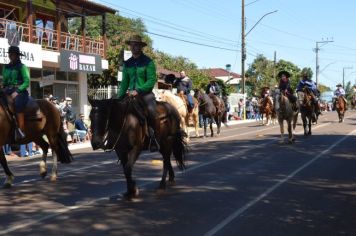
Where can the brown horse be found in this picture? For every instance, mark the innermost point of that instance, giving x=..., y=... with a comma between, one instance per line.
x=306, y=107
x=266, y=107
x=212, y=108
x=42, y=118
x=121, y=126
x=353, y=102
x=340, y=105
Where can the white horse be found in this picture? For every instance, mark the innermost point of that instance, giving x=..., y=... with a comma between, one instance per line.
x=180, y=105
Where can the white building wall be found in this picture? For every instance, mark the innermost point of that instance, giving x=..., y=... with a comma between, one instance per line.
x=83, y=94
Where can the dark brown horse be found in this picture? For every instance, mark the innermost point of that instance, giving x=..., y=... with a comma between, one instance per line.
x=42, y=119
x=121, y=126
x=340, y=105
x=212, y=108
x=306, y=107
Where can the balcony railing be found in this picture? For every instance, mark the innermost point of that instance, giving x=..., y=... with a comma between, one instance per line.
x=48, y=38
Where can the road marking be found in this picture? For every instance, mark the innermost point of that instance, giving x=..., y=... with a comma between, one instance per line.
x=64, y=210
x=250, y=204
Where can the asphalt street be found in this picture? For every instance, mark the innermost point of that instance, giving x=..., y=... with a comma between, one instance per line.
x=244, y=182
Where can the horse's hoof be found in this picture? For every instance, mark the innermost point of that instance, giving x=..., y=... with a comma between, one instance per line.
x=53, y=178
x=290, y=141
x=43, y=175
x=6, y=186
x=131, y=194
x=171, y=182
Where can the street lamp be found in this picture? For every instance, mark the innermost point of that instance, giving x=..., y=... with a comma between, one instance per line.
x=343, y=74
x=243, y=51
x=228, y=68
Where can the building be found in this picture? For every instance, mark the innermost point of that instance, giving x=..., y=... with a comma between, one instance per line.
x=230, y=78
x=59, y=60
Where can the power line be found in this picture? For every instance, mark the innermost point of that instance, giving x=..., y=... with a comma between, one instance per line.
x=191, y=42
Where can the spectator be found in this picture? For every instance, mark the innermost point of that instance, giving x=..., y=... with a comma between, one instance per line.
x=68, y=111
x=81, y=128
x=26, y=150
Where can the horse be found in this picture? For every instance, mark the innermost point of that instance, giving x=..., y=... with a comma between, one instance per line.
x=181, y=104
x=306, y=105
x=121, y=125
x=211, y=107
x=285, y=112
x=41, y=118
x=266, y=107
x=340, y=105
x=353, y=102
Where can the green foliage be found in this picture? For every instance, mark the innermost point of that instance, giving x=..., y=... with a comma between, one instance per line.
x=322, y=88
x=118, y=30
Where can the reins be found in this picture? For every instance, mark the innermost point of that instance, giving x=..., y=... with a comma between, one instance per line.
x=122, y=127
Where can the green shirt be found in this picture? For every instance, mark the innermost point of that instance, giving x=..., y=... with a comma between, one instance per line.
x=138, y=74
x=16, y=75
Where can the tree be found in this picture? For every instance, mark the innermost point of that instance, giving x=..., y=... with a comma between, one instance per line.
x=118, y=30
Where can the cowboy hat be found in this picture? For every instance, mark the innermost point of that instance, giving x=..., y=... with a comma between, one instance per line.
x=137, y=39
x=283, y=72
x=68, y=99
x=213, y=80
x=338, y=85
x=14, y=49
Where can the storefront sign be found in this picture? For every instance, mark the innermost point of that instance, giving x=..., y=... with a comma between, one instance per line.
x=78, y=62
x=32, y=53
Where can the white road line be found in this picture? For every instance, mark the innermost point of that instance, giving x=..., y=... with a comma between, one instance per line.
x=94, y=201
x=250, y=204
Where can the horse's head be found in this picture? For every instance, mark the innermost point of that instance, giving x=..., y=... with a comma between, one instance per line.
x=199, y=95
x=99, y=118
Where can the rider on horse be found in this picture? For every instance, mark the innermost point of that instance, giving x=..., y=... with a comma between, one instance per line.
x=306, y=81
x=339, y=92
x=16, y=80
x=139, y=78
x=213, y=88
x=284, y=86
x=184, y=86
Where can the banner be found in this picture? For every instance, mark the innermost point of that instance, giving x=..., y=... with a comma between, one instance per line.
x=72, y=61
x=32, y=53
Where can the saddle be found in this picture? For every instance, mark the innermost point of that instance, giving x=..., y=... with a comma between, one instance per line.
x=218, y=103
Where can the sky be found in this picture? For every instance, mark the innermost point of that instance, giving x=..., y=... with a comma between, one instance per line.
x=292, y=32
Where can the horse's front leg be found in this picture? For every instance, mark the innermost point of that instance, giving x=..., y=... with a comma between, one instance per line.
x=9, y=176
x=211, y=120
x=290, y=132
x=196, y=124
x=218, y=124
x=281, y=126
x=205, y=124
x=127, y=161
x=309, y=126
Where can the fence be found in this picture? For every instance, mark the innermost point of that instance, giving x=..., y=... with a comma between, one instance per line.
x=103, y=92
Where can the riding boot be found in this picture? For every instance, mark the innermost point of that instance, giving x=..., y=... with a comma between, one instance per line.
x=154, y=145
x=19, y=132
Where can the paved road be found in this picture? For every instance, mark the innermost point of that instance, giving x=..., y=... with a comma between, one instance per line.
x=242, y=183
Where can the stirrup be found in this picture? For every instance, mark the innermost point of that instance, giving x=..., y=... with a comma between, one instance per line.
x=19, y=134
x=154, y=145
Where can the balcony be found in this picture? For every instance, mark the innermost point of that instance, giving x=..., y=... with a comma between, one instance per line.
x=49, y=38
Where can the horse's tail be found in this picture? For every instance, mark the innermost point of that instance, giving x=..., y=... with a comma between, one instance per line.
x=63, y=154
x=180, y=148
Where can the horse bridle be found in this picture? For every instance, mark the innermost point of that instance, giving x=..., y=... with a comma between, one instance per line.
x=129, y=98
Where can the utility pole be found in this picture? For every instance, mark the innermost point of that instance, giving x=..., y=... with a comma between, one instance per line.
x=274, y=65
x=343, y=74
x=243, y=56
x=317, y=48
x=243, y=50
